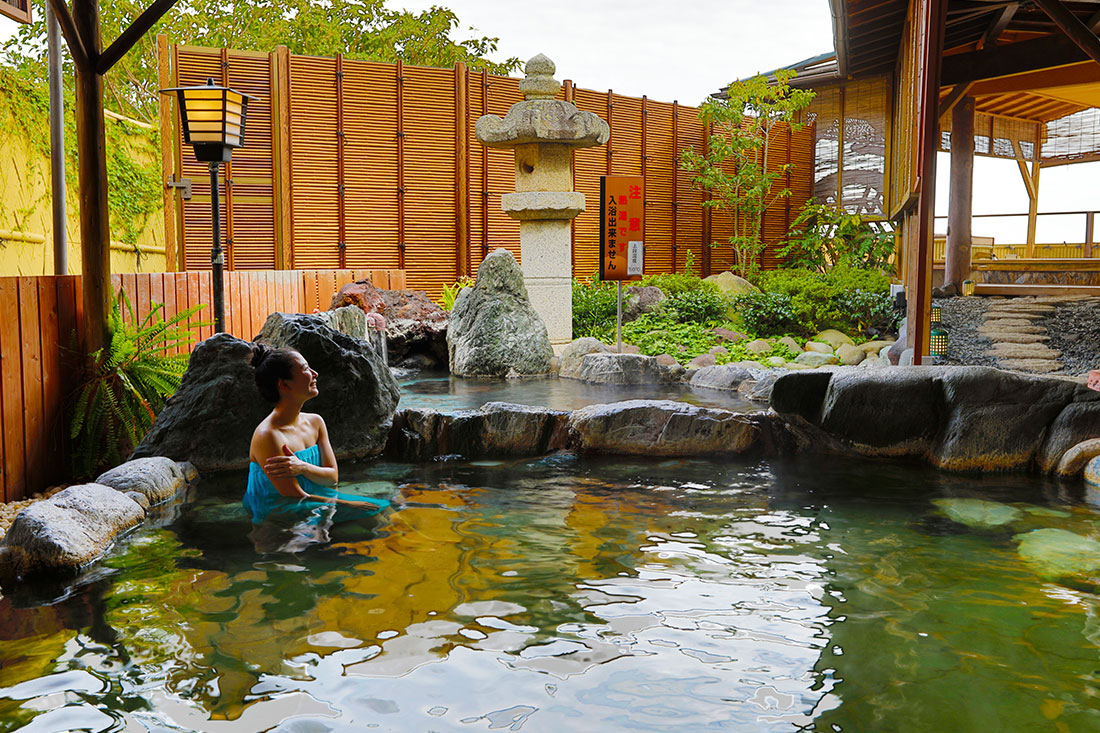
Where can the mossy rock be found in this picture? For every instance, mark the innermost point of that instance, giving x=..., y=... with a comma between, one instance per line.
x=978, y=513
x=1062, y=555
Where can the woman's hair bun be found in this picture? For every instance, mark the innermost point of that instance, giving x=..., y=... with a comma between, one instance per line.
x=259, y=353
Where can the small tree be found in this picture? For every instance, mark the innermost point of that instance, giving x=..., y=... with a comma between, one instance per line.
x=735, y=170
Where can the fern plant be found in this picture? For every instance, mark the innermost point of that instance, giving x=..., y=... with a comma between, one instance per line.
x=126, y=383
x=450, y=293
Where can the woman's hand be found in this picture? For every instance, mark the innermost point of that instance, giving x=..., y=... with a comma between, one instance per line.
x=287, y=465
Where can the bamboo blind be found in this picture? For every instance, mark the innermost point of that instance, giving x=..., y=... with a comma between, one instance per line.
x=382, y=169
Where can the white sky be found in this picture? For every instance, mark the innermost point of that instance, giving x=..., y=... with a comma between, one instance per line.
x=685, y=50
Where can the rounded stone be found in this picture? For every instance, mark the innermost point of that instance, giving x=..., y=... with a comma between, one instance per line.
x=540, y=64
x=1092, y=473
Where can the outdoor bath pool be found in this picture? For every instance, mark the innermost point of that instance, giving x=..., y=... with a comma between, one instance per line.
x=566, y=593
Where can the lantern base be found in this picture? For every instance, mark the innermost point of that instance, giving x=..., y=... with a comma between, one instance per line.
x=213, y=152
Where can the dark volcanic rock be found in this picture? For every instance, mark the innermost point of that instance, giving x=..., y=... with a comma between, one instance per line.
x=497, y=429
x=210, y=419
x=659, y=428
x=416, y=328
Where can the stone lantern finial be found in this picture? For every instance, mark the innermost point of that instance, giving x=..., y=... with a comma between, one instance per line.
x=539, y=82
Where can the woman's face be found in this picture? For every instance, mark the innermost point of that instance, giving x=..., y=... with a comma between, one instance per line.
x=303, y=380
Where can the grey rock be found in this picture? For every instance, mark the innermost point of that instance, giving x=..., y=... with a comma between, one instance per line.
x=728, y=335
x=666, y=360
x=639, y=300
x=348, y=320
x=815, y=359
x=1078, y=421
x=760, y=390
x=569, y=363
x=819, y=347
x=620, y=369
x=718, y=350
x=494, y=330
x=727, y=376
x=210, y=419
x=758, y=346
x=703, y=360
x=895, y=351
x=850, y=355
x=497, y=429
x=68, y=530
x=659, y=428
x=791, y=344
x=156, y=478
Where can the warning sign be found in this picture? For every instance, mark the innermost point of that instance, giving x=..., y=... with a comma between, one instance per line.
x=622, y=234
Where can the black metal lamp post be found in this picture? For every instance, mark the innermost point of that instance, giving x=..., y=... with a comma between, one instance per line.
x=213, y=120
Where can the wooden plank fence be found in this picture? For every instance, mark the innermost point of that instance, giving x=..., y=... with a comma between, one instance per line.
x=40, y=349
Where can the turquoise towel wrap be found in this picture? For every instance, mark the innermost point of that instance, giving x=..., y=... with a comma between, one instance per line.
x=262, y=499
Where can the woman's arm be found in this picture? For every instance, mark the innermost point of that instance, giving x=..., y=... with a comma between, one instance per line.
x=286, y=465
x=270, y=450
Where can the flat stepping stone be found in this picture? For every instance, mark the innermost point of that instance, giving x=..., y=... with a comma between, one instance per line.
x=1035, y=366
x=1009, y=337
x=1036, y=308
x=994, y=327
x=1026, y=317
x=1023, y=351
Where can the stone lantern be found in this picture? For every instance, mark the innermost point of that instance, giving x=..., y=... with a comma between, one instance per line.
x=543, y=131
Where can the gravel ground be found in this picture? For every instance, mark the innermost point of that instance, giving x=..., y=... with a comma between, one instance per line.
x=1075, y=331
x=962, y=317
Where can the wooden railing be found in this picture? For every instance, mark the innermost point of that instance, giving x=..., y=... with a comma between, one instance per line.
x=40, y=352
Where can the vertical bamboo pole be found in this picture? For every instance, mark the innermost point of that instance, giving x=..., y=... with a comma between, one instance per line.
x=342, y=230
x=462, y=173
x=167, y=142
x=400, y=165
x=280, y=155
x=230, y=260
x=840, y=153
x=675, y=176
x=484, y=172
x=645, y=118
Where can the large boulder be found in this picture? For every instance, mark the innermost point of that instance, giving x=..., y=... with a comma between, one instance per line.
x=957, y=418
x=659, y=428
x=210, y=419
x=348, y=320
x=569, y=363
x=727, y=376
x=641, y=299
x=497, y=429
x=361, y=294
x=67, y=531
x=494, y=330
x=731, y=285
x=157, y=478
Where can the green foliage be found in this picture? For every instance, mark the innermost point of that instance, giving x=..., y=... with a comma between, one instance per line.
x=450, y=293
x=735, y=172
x=659, y=334
x=133, y=186
x=126, y=384
x=673, y=284
x=595, y=305
x=823, y=236
x=705, y=305
x=804, y=302
x=359, y=29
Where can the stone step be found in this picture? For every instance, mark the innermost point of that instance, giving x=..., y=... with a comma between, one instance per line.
x=1013, y=337
x=1038, y=308
x=1023, y=351
x=1035, y=366
x=994, y=327
x=1028, y=317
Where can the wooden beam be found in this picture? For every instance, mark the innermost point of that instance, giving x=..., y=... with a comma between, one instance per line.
x=957, y=93
x=1072, y=26
x=132, y=35
x=1011, y=58
x=1029, y=184
x=71, y=35
x=997, y=27
x=167, y=171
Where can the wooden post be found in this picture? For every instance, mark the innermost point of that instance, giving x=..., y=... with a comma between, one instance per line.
x=1089, y=223
x=167, y=143
x=1033, y=192
x=462, y=173
x=341, y=197
x=91, y=132
x=400, y=165
x=230, y=260
x=675, y=175
x=960, y=207
x=919, y=284
x=280, y=155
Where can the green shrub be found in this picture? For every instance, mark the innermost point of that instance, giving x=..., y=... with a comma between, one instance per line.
x=673, y=284
x=594, y=308
x=126, y=384
x=768, y=314
x=824, y=235
x=872, y=313
x=704, y=305
x=659, y=334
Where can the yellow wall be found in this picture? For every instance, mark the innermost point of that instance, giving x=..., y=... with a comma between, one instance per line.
x=26, y=221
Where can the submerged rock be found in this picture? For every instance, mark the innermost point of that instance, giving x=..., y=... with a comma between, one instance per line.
x=494, y=330
x=978, y=513
x=727, y=376
x=621, y=369
x=70, y=529
x=1061, y=555
x=210, y=419
x=659, y=428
